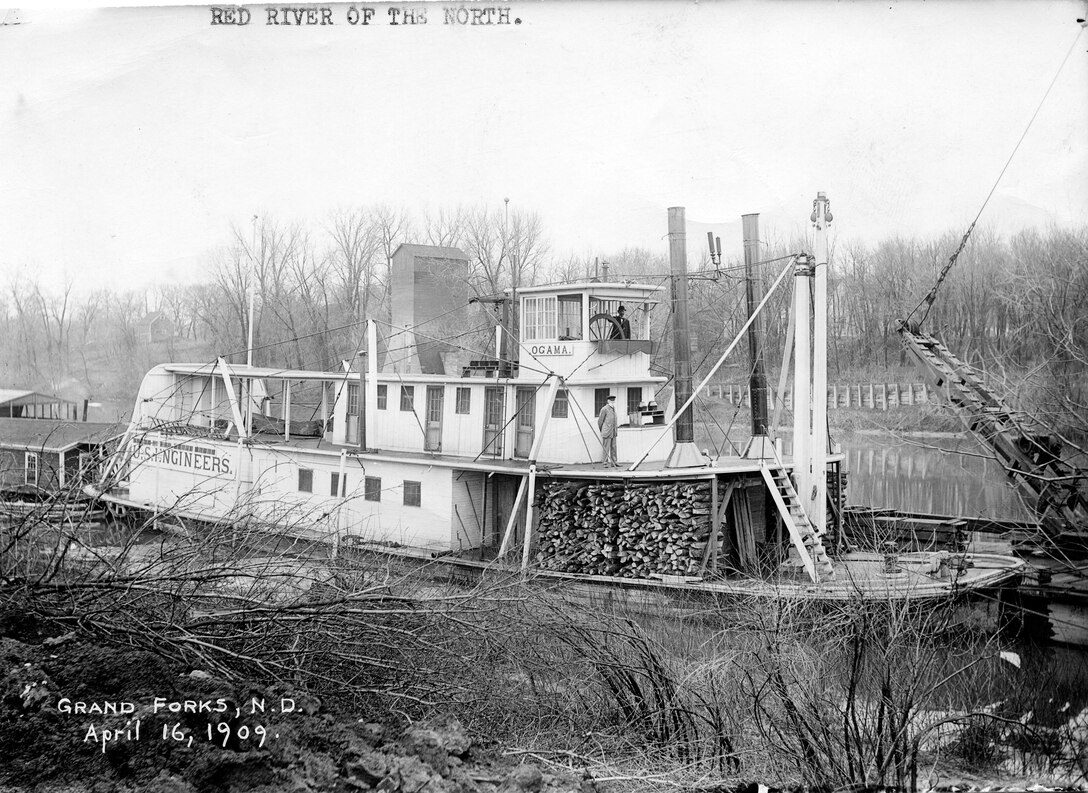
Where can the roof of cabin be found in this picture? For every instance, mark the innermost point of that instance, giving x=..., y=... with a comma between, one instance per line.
x=11, y=395
x=241, y=370
x=52, y=435
x=599, y=288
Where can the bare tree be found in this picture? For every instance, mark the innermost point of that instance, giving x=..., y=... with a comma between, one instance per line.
x=446, y=228
x=504, y=251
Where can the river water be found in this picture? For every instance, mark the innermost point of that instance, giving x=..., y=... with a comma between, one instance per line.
x=942, y=475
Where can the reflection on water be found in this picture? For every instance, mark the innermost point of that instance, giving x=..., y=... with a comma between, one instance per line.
x=944, y=476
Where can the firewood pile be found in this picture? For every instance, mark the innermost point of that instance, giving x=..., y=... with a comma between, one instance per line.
x=632, y=530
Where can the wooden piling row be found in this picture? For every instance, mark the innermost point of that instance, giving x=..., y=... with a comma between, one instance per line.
x=874, y=396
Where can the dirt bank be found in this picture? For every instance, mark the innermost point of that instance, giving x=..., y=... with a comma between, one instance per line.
x=81, y=715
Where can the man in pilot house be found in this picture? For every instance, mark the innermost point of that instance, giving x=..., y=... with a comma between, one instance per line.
x=621, y=329
x=606, y=423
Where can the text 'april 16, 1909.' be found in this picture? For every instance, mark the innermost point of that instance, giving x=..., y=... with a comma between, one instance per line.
x=222, y=721
x=304, y=16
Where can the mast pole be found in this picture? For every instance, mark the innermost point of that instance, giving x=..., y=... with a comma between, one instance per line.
x=802, y=382
x=252, y=312
x=821, y=217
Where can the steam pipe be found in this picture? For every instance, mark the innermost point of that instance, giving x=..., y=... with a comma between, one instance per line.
x=681, y=344
x=757, y=383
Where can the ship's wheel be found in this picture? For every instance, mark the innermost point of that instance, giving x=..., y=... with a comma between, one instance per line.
x=604, y=326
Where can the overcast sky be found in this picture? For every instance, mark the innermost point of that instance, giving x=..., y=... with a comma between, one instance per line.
x=131, y=139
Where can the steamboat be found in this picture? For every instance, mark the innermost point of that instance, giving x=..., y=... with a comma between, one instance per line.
x=498, y=460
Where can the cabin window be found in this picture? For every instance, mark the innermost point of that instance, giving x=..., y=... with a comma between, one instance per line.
x=372, y=488
x=464, y=400
x=334, y=483
x=600, y=399
x=305, y=480
x=634, y=399
x=31, y=468
x=353, y=399
x=408, y=398
x=561, y=405
x=383, y=396
x=538, y=321
x=413, y=494
x=570, y=317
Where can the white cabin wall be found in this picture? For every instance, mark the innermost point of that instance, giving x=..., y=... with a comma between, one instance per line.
x=275, y=496
x=165, y=479
x=463, y=434
x=205, y=402
x=574, y=439
x=425, y=526
x=181, y=473
x=612, y=366
x=340, y=411
x=401, y=430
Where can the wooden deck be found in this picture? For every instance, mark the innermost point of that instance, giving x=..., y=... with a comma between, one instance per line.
x=648, y=470
x=858, y=576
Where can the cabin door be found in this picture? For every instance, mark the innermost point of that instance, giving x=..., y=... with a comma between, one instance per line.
x=493, y=421
x=526, y=403
x=433, y=442
x=352, y=415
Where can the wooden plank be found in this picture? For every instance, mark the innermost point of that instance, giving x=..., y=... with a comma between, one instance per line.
x=745, y=541
x=710, y=551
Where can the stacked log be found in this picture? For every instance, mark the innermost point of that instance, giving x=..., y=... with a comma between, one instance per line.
x=628, y=530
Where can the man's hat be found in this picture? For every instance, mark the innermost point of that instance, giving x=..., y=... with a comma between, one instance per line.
x=611, y=397
x=621, y=309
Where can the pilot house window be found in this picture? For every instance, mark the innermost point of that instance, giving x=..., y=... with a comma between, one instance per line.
x=570, y=317
x=539, y=319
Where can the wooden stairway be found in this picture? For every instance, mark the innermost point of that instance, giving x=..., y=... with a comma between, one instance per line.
x=809, y=544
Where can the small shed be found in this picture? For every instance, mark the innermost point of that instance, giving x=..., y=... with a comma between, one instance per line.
x=46, y=455
x=34, y=405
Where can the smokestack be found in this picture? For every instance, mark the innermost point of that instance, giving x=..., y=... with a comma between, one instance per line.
x=684, y=452
x=757, y=382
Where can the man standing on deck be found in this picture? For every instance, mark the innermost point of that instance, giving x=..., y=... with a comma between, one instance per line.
x=606, y=423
